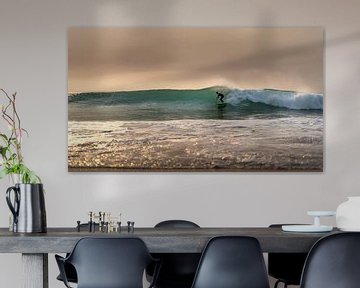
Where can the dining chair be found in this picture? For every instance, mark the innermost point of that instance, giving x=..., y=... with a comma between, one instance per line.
x=70, y=271
x=285, y=267
x=178, y=269
x=108, y=263
x=333, y=262
x=232, y=262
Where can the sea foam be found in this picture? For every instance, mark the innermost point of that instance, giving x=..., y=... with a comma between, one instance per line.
x=277, y=98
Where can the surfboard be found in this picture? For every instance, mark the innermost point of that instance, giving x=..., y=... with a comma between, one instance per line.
x=221, y=104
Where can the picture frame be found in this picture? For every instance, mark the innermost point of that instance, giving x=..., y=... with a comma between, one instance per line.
x=195, y=99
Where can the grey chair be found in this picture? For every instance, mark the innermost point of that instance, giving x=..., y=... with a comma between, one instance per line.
x=333, y=262
x=108, y=263
x=178, y=269
x=232, y=262
x=286, y=267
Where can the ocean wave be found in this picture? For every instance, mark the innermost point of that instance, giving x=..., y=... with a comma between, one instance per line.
x=203, y=97
x=170, y=104
x=276, y=98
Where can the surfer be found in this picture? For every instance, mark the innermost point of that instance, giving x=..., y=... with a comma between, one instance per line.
x=220, y=96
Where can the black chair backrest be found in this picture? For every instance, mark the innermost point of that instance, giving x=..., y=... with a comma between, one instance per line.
x=232, y=262
x=110, y=262
x=178, y=269
x=69, y=269
x=176, y=224
x=333, y=262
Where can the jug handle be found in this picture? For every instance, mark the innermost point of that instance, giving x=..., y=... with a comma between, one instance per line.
x=13, y=208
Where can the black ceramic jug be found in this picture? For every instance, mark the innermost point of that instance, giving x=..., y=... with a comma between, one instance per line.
x=28, y=207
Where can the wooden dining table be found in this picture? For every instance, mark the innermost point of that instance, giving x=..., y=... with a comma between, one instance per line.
x=35, y=247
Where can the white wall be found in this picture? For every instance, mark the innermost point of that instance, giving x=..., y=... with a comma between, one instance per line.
x=33, y=62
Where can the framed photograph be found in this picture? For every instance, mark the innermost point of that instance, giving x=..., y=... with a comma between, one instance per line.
x=195, y=99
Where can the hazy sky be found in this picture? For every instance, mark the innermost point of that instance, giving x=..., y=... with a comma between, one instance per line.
x=118, y=59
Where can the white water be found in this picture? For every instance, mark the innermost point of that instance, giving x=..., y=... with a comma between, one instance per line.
x=285, y=99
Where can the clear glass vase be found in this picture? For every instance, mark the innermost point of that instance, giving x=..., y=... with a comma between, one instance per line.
x=15, y=179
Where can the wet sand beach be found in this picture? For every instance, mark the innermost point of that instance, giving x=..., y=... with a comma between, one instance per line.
x=279, y=144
